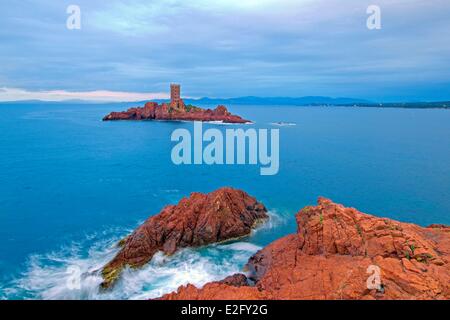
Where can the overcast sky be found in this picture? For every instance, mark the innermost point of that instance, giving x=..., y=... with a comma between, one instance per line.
x=131, y=50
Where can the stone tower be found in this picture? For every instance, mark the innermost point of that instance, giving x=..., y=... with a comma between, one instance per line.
x=176, y=103
x=175, y=94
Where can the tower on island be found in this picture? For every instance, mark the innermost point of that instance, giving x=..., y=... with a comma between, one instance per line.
x=175, y=93
x=176, y=103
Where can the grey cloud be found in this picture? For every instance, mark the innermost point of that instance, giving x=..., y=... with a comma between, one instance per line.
x=290, y=48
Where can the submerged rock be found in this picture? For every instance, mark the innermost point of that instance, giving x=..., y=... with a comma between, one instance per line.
x=341, y=253
x=199, y=220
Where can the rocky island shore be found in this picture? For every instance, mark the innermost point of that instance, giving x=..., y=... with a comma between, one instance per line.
x=199, y=220
x=154, y=111
x=336, y=254
x=176, y=110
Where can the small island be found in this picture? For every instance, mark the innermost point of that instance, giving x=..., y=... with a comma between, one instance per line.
x=176, y=110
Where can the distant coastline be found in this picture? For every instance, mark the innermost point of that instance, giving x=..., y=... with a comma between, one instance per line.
x=266, y=101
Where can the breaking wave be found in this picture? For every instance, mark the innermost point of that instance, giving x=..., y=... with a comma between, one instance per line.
x=73, y=273
x=276, y=220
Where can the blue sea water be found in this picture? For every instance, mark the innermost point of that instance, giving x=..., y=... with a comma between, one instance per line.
x=72, y=185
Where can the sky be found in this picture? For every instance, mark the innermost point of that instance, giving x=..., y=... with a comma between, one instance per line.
x=132, y=50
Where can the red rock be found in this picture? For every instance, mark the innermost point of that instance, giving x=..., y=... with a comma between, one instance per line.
x=153, y=111
x=330, y=255
x=222, y=110
x=236, y=280
x=196, y=221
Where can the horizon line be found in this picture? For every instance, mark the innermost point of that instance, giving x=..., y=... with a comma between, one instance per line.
x=16, y=95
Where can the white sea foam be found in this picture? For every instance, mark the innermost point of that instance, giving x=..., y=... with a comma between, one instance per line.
x=283, y=124
x=51, y=276
x=275, y=220
x=241, y=246
x=73, y=272
x=3, y=293
x=171, y=191
x=221, y=123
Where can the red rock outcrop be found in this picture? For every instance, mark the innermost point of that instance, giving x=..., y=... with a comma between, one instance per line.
x=153, y=111
x=337, y=253
x=199, y=220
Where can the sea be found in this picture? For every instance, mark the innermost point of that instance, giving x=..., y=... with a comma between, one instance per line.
x=72, y=185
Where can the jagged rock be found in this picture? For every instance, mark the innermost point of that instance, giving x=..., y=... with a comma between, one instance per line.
x=335, y=254
x=199, y=220
x=236, y=280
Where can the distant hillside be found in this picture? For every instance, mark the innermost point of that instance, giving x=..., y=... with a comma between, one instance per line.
x=273, y=101
x=314, y=102
x=412, y=105
x=299, y=101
